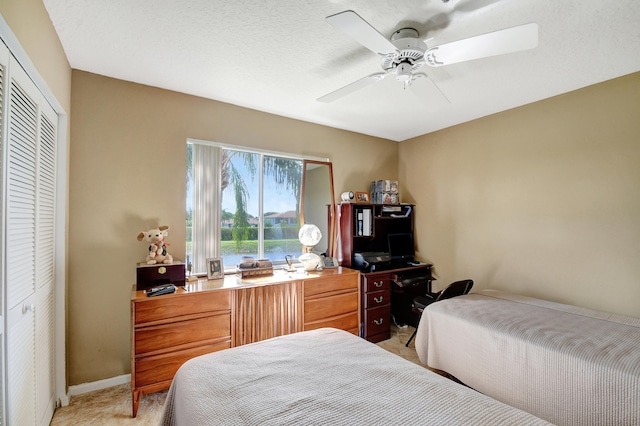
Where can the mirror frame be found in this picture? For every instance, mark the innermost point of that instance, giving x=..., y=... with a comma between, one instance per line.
x=331, y=208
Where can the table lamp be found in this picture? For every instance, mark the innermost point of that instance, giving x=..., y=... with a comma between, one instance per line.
x=309, y=235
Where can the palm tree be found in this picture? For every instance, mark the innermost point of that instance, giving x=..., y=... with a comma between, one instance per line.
x=287, y=174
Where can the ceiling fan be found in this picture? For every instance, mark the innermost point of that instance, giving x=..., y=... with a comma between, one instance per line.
x=404, y=53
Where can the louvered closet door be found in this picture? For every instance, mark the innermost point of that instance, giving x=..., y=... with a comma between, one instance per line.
x=30, y=199
x=45, y=264
x=4, y=61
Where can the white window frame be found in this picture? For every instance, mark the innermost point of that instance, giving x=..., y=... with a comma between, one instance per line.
x=213, y=250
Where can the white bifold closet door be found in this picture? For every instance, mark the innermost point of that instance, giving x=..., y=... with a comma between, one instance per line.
x=29, y=158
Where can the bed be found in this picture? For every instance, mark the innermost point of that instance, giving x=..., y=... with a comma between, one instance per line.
x=323, y=377
x=565, y=364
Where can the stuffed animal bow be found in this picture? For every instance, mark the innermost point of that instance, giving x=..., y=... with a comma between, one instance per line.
x=157, y=245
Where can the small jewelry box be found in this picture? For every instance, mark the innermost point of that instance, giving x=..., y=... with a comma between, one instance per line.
x=148, y=276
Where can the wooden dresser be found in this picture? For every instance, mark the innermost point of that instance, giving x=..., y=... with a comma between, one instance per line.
x=211, y=315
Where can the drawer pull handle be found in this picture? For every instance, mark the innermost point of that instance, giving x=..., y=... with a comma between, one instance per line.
x=378, y=321
x=378, y=283
x=28, y=307
x=378, y=300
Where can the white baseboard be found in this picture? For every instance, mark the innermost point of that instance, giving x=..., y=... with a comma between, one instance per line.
x=100, y=384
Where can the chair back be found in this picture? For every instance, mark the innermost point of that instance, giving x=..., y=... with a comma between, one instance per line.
x=457, y=288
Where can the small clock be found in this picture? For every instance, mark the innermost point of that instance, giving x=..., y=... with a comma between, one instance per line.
x=347, y=196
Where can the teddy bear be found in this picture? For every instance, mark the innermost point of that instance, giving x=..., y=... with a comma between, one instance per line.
x=157, y=245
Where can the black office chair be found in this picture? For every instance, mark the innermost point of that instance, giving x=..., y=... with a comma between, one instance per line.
x=457, y=288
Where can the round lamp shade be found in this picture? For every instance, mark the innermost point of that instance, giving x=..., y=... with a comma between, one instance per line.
x=309, y=235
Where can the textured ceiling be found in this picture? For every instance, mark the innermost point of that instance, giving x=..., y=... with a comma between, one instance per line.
x=279, y=56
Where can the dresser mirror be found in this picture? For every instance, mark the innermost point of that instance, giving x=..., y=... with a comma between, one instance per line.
x=317, y=195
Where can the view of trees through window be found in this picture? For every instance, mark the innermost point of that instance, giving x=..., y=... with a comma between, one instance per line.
x=259, y=208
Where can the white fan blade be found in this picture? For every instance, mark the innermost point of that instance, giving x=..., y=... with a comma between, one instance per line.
x=350, y=88
x=361, y=31
x=522, y=37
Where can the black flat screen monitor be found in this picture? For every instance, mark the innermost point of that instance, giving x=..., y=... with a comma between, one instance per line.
x=401, y=247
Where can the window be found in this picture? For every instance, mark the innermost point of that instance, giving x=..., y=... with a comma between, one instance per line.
x=241, y=202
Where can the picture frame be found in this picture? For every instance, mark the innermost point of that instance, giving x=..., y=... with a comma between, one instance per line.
x=215, y=268
x=362, y=197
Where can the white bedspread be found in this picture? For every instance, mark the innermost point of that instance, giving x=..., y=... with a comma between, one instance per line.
x=324, y=377
x=565, y=364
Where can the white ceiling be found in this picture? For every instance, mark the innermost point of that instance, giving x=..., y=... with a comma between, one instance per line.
x=279, y=56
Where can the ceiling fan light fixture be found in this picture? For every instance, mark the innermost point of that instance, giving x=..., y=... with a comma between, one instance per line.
x=404, y=52
x=403, y=72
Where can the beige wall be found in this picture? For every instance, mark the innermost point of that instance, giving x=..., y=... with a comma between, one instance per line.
x=543, y=200
x=128, y=169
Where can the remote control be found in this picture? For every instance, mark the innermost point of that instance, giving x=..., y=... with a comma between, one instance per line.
x=164, y=289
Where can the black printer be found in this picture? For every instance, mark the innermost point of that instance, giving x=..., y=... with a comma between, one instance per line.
x=371, y=261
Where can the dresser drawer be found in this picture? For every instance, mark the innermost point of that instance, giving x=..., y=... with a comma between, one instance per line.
x=334, y=283
x=377, y=298
x=155, y=369
x=182, y=333
x=331, y=306
x=348, y=322
x=377, y=320
x=376, y=282
x=171, y=306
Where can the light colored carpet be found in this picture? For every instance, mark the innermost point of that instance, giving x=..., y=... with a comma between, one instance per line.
x=112, y=406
